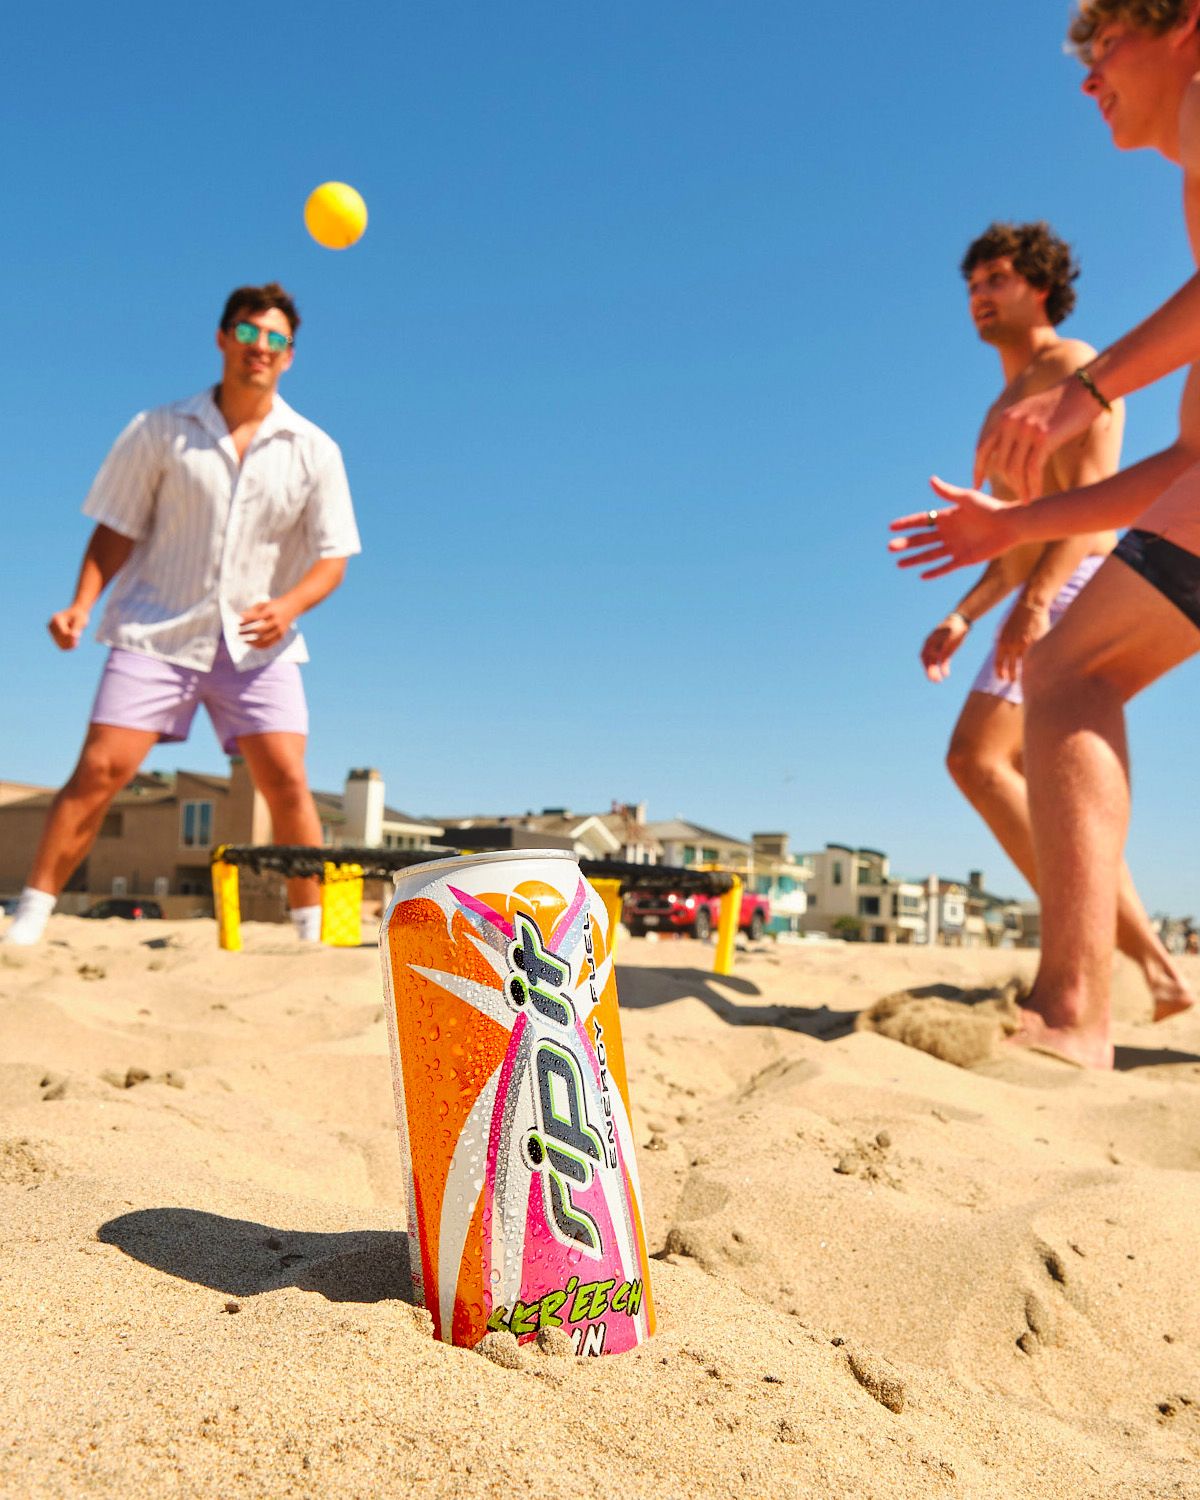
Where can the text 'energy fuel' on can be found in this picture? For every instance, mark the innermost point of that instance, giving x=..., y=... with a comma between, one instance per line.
x=513, y=1103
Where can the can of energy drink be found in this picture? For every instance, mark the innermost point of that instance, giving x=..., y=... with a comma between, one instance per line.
x=512, y=1101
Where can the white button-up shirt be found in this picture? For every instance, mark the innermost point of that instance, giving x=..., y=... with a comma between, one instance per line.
x=215, y=536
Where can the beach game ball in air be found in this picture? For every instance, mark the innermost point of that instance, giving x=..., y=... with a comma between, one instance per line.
x=335, y=215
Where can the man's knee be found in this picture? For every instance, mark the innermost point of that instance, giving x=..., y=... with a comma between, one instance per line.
x=975, y=767
x=985, y=748
x=282, y=781
x=99, y=774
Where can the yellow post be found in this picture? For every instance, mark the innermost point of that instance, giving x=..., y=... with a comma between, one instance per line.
x=609, y=892
x=341, y=906
x=226, y=902
x=727, y=927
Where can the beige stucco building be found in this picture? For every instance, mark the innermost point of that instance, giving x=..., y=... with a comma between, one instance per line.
x=853, y=893
x=158, y=836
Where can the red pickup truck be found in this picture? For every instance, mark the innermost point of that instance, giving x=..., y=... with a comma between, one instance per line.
x=672, y=911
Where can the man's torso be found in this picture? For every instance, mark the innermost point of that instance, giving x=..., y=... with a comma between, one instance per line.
x=1060, y=472
x=216, y=530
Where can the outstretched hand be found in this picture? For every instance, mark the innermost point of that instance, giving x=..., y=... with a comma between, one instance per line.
x=1017, y=442
x=976, y=528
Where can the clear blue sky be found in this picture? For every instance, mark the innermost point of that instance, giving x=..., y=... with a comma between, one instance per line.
x=656, y=323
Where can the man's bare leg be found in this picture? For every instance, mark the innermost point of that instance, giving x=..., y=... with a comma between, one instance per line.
x=276, y=765
x=108, y=761
x=109, y=758
x=1120, y=635
x=986, y=760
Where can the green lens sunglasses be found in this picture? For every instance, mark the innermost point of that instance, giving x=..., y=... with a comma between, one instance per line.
x=248, y=333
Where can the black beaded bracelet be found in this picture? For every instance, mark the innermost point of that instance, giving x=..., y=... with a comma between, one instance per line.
x=1090, y=386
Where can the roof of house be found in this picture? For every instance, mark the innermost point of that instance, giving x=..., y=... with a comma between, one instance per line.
x=394, y=815
x=144, y=789
x=628, y=830
x=679, y=828
x=332, y=807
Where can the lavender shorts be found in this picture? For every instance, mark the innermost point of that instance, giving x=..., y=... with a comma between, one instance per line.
x=141, y=692
x=997, y=687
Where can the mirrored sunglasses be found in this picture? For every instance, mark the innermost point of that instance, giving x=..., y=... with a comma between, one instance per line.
x=249, y=333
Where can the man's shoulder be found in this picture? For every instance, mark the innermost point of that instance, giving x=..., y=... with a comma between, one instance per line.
x=1051, y=365
x=1065, y=357
x=288, y=419
x=182, y=406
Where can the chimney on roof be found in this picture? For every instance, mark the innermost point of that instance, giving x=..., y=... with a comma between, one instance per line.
x=975, y=879
x=633, y=812
x=362, y=804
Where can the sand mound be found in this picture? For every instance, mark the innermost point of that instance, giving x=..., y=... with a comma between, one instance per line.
x=965, y=1027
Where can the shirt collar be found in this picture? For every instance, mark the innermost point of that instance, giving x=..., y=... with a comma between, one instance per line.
x=202, y=407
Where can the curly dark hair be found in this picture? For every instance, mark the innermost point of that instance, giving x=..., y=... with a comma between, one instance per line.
x=259, y=299
x=1038, y=254
x=1150, y=15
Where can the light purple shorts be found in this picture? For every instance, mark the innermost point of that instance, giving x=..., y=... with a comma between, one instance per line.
x=141, y=692
x=997, y=687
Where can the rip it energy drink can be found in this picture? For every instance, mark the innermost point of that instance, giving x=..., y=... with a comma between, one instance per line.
x=512, y=1100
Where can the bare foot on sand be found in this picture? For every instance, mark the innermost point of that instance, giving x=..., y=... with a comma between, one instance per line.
x=1080, y=1048
x=1171, y=1000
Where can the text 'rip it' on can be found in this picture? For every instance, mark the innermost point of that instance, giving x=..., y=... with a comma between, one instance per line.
x=524, y=1207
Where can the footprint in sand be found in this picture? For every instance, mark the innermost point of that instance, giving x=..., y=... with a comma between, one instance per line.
x=21, y=1165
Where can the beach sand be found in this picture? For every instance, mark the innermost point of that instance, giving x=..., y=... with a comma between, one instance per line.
x=878, y=1273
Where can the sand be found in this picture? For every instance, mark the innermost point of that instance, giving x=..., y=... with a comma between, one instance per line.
x=878, y=1273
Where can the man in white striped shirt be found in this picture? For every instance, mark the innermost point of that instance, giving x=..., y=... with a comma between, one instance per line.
x=220, y=520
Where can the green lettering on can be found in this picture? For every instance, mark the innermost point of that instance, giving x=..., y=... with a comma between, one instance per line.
x=548, y=1308
x=524, y=1319
x=579, y=1308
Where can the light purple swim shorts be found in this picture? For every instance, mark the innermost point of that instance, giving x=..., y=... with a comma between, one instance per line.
x=141, y=692
x=997, y=687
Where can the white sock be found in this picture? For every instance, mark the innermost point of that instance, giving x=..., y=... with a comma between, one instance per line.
x=307, y=922
x=32, y=914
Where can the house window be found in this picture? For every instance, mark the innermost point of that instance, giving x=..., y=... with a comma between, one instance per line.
x=196, y=832
x=689, y=854
x=837, y=872
x=119, y=885
x=113, y=825
x=868, y=906
x=708, y=856
x=162, y=886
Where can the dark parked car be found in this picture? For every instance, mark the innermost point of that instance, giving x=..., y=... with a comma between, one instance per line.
x=129, y=907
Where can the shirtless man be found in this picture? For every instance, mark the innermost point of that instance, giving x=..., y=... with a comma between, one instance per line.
x=1019, y=280
x=1140, y=616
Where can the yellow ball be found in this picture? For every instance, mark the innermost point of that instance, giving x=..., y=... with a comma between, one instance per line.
x=335, y=215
